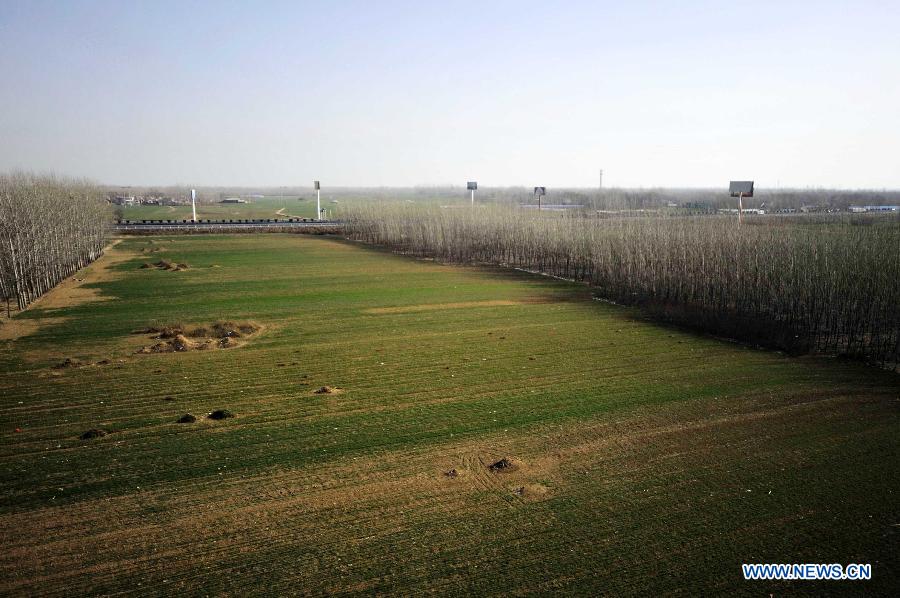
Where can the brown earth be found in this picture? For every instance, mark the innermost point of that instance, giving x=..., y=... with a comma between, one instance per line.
x=16, y=328
x=73, y=290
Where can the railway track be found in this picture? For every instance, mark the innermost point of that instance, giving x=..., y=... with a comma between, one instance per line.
x=206, y=226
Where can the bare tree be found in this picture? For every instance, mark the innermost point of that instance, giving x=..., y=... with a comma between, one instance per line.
x=807, y=283
x=49, y=228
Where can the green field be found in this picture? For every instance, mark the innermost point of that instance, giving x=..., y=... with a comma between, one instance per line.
x=265, y=207
x=646, y=460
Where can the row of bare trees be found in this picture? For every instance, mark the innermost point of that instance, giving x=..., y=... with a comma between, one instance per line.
x=49, y=228
x=823, y=285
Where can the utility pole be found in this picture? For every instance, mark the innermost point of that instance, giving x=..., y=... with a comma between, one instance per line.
x=601, y=178
x=539, y=192
x=317, y=187
x=194, y=203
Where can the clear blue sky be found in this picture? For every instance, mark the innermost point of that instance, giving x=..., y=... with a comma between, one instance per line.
x=405, y=93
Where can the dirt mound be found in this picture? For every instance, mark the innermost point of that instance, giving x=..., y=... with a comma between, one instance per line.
x=327, y=390
x=93, y=433
x=233, y=329
x=179, y=338
x=169, y=331
x=451, y=473
x=68, y=362
x=164, y=265
x=187, y=418
x=178, y=344
x=504, y=464
x=220, y=414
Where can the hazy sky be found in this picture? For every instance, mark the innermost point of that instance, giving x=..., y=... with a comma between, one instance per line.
x=674, y=93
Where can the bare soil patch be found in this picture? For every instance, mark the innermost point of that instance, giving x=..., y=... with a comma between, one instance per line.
x=74, y=362
x=328, y=390
x=164, y=265
x=72, y=291
x=178, y=338
x=93, y=433
x=402, y=309
x=502, y=465
x=68, y=363
x=220, y=414
x=16, y=328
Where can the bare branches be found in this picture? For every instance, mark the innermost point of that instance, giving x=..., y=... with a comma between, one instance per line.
x=49, y=228
x=831, y=285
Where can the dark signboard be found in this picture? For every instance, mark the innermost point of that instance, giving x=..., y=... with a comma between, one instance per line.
x=741, y=188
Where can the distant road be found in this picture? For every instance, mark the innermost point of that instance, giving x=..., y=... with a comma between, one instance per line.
x=270, y=225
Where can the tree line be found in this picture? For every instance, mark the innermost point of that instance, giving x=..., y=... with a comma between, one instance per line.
x=823, y=284
x=49, y=228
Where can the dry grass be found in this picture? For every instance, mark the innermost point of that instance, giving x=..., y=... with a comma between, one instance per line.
x=75, y=291
x=16, y=328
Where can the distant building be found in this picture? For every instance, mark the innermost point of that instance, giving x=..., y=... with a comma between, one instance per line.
x=881, y=208
x=756, y=211
x=233, y=200
x=557, y=207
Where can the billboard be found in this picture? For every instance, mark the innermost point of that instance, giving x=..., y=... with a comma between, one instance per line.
x=741, y=188
x=538, y=191
x=471, y=186
x=316, y=185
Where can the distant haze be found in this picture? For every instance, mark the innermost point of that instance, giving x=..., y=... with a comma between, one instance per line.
x=675, y=94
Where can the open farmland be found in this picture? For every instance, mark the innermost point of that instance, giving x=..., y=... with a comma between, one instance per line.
x=264, y=207
x=644, y=459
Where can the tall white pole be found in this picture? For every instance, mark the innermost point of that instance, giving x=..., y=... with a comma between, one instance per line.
x=473, y=198
x=194, y=203
x=318, y=205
